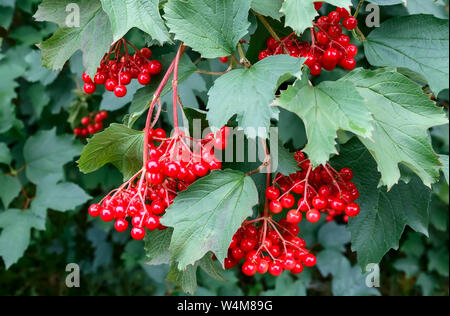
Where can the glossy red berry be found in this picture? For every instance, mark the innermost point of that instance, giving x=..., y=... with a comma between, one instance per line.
x=318, y=5
x=110, y=84
x=249, y=268
x=94, y=210
x=121, y=225
x=352, y=210
x=154, y=67
x=144, y=79
x=346, y=174
x=262, y=266
x=106, y=214
x=313, y=216
x=272, y=193
x=294, y=217
x=275, y=268
x=310, y=260
x=319, y=202
x=124, y=78
x=86, y=79
x=275, y=207
x=89, y=88
x=287, y=201
x=352, y=50
x=138, y=233
x=147, y=52
x=120, y=91
x=272, y=44
x=350, y=23
x=224, y=60
x=348, y=63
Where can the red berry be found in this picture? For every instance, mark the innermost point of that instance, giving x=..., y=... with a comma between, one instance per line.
x=171, y=170
x=346, y=174
x=262, y=266
x=144, y=79
x=224, y=60
x=152, y=222
x=121, y=225
x=94, y=210
x=200, y=169
x=138, y=233
x=106, y=215
x=313, y=216
x=309, y=260
x=331, y=56
x=89, y=88
x=154, y=67
x=298, y=268
x=110, y=84
x=275, y=207
x=350, y=23
x=319, y=202
x=124, y=78
x=249, y=268
x=288, y=201
x=344, y=40
x=85, y=120
x=248, y=244
x=318, y=5
x=237, y=253
x=352, y=209
x=147, y=52
x=264, y=54
x=229, y=263
x=294, y=217
x=272, y=44
x=275, y=268
x=160, y=133
x=120, y=91
x=86, y=78
x=322, y=38
x=100, y=78
x=337, y=205
x=348, y=63
x=272, y=193
x=352, y=50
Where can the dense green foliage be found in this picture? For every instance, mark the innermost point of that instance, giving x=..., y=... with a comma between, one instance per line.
x=378, y=120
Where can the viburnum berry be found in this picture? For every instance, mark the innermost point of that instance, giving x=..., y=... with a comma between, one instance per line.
x=329, y=48
x=120, y=91
x=121, y=225
x=272, y=193
x=313, y=216
x=350, y=23
x=154, y=67
x=91, y=124
x=138, y=233
x=117, y=69
x=224, y=60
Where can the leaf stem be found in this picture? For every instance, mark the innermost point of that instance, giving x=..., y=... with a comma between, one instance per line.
x=358, y=8
x=244, y=59
x=267, y=26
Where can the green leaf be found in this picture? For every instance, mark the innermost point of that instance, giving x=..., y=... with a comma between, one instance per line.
x=143, y=14
x=186, y=279
x=36, y=72
x=5, y=154
x=10, y=189
x=334, y=236
x=268, y=8
x=384, y=215
x=325, y=109
x=38, y=97
x=438, y=260
x=301, y=13
x=286, y=164
x=286, y=286
x=62, y=197
x=46, y=153
x=119, y=145
x=406, y=41
x=253, y=92
x=413, y=246
x=211, y=27
x=15, y=236
x=206, y=215
x=444, y=161
x=402, y=114
x=410, y=266
x=93, y=36
x=103, y=255
x=157, y=247
x=329, y=261
x=428, y=283
x=349, y=281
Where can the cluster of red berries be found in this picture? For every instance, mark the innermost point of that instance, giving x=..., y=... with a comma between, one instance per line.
x=329, y=48
x=320, y=190
x=91, y=124
x=173, y=164
x=117, y=70
x=272, y=247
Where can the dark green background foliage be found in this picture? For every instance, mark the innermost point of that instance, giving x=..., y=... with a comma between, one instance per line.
x=396, y=146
